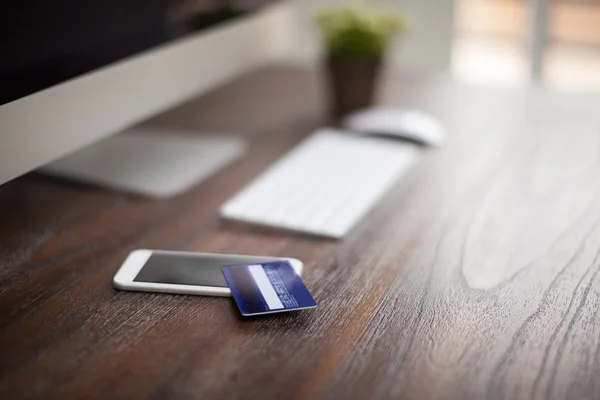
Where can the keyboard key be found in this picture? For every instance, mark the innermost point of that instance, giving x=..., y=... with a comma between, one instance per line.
x=325, y=185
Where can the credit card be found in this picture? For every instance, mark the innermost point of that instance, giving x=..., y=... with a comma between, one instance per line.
x=267, y=288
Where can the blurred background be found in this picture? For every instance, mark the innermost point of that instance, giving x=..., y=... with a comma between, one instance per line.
x=429, y=43
x=497, y=42
x=176, y=50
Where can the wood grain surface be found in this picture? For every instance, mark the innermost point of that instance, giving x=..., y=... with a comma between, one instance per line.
x=477, y=276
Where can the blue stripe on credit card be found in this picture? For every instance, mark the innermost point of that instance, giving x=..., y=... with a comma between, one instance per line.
x=267, y=288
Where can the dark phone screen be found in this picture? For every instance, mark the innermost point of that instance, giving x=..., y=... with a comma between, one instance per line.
x=192, y=269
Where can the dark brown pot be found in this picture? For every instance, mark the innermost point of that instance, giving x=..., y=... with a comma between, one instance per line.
x=352, y=83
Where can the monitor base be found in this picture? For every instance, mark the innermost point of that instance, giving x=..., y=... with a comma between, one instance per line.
x=153, y=162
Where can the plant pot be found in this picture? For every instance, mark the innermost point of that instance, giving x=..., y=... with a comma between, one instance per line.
x=352, y=83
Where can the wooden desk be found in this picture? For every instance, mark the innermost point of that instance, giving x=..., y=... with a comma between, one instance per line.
x=477, y=276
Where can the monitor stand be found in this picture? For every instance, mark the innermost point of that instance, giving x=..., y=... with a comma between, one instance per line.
x=154, y=162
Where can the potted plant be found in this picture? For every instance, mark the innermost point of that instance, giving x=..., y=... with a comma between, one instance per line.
x=356, y=39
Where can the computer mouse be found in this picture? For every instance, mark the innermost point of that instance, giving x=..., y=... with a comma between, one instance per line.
x=412, y=125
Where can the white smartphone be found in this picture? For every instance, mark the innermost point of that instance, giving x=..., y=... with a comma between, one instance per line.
x=183, y=272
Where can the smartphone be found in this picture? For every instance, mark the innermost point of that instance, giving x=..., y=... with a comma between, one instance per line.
x=183, y=272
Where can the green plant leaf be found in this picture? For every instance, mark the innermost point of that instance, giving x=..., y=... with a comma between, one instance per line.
x=359, y=30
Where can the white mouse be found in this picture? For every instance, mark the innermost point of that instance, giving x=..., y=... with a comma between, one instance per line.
x=412, y=125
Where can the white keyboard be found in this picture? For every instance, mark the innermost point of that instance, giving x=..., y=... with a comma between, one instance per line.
x=324, y=185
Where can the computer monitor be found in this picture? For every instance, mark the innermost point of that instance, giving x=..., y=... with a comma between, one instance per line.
x=74, y=72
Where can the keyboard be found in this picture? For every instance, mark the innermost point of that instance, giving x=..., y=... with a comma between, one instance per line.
x=325, y=185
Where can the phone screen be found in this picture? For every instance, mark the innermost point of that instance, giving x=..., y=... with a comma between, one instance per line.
x=184, y=269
